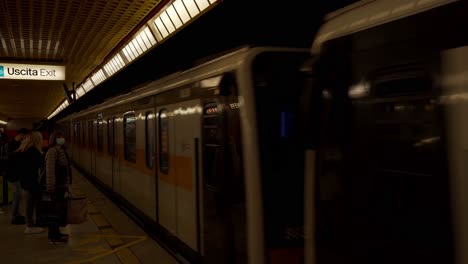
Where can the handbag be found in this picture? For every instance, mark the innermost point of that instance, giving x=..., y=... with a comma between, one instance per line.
x=51, y=212
x=77, y=212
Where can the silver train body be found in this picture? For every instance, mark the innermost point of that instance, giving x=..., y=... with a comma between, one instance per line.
x=386, y=167
x=182, y=153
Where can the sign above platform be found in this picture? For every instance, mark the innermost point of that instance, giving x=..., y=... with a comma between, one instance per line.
x=32, y=72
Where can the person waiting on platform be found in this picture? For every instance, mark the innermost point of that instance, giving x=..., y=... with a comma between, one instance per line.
x=30, y=176
x=11, y=147
x=57, y=179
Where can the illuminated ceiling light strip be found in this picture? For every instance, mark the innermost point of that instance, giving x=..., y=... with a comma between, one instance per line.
x=202, y=4
x=167, y=22
x=80, y=92
x=144, y=44
x=175, y=18
x=98, y=77
x=62, y=106
x=131, y=51
x=171, y=18
x=120, y=61
x=138, y=42
x=111, y=67
x=115, y=67
x=191, y=7
x=181, y=11
x=161, y=27
x=88, y=85
x=82, y=87
x=134, y=49
x=157, y=32
x=126, y=53
x=137, y=47
x=101, y=73
x=150, y=36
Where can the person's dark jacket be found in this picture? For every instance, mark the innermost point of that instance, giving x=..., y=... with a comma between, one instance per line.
x=12, y=146
x=30, y=174
x=11, y=167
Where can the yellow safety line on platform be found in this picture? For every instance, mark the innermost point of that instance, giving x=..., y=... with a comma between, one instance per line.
x=139, y=237
x=123, y=253
x=108, y=252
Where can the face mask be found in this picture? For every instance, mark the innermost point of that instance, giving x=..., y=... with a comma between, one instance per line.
x=60, y=141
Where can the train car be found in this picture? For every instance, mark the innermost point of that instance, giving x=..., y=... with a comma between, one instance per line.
x=210, y=158
x=386, y=175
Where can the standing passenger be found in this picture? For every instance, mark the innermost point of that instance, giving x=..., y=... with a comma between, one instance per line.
x=57, y=179
x=30, y=158
x=12, y=146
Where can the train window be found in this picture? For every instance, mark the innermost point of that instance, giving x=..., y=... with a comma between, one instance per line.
x=149, y=139
x=76, y=134
x=83, y=141
x=163, y=141
x=113, y=151
x=130, y=137
x=100, y=136
x=109, y=137
x=90, y=134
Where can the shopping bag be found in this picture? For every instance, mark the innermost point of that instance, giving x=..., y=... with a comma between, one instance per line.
x=51, y=212
x=77, y=212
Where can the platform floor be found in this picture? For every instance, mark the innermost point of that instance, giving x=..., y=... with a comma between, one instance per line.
x=108, y=236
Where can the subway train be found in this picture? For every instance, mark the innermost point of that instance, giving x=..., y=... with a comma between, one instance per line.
x=181, y=153
x=386, y=161
x=354, y=151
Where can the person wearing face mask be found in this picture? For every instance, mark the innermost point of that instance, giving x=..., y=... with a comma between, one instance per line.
x=12, y=146
x=57, y=179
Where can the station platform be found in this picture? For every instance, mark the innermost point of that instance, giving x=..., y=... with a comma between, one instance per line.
x=108, y=236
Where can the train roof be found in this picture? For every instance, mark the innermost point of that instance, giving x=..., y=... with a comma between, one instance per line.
x=369, y=13
x=219, y=65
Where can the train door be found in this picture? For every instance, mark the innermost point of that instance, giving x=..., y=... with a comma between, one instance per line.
x=223, y=203
x=150, y=158
x=84, y=155
x=454, y=79
x=92, y=147
x=275, y=176
x=178, y=136
x=110, y=149
x=115, y=155
x=76, y=141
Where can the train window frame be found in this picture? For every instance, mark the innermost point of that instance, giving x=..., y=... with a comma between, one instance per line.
x=150, y=145
x=76, y=133
x=113, y=149
x=90, y=134
x=125, y=136
x=109, y=147
x=100, y=135
x=83, y=134
x=164, y=158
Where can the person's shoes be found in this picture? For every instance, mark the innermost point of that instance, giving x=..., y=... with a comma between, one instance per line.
x=18, y=220
x=33, y=230
x=64, y=235
x=58, y=241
